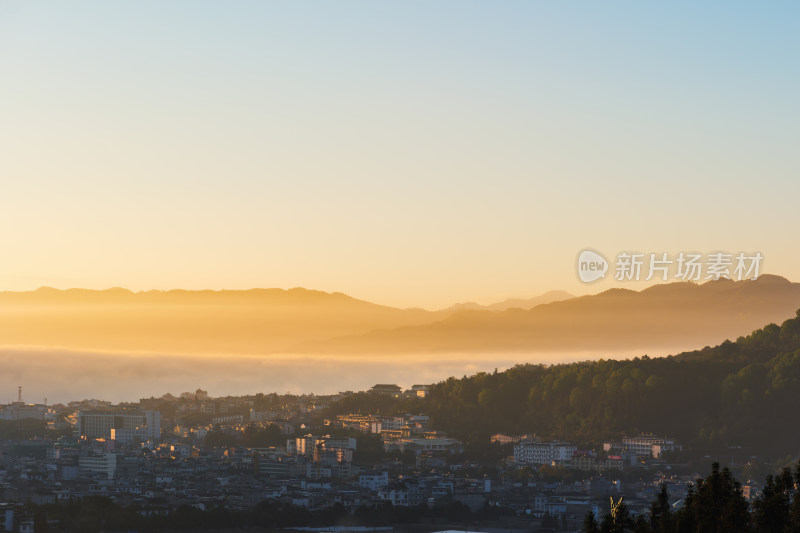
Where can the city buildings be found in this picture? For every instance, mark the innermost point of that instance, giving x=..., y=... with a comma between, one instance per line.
x=122, y=426
x=205, y=461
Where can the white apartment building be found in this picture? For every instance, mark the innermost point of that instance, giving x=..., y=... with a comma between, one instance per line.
x=543, y=453
x=649, y=445
x=99, y=464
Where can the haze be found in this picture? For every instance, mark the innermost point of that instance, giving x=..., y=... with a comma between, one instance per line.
x=117, y=344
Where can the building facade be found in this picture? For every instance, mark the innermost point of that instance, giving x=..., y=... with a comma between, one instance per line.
x=122, y=426
x=543, y=453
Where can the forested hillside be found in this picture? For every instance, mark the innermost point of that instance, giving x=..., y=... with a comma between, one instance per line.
x=737, y=393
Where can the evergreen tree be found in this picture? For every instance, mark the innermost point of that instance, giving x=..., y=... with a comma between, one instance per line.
x=794, y=510
x=641, y=525
x=661, y=519
x=771, y=509
x=717, y=505
x=618, y=520
x=590, y=524
x=40, y=521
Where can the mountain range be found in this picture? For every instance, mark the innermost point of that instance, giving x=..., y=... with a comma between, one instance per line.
x=264, y=321
x=661, y=318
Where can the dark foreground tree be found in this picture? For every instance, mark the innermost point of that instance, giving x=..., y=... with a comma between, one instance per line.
x=661, y=519
x=771, y=509
x=618, y=520
x=590, y=523
x=717, y=505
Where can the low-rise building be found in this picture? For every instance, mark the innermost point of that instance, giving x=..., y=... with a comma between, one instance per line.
x=503, y=438
x=22, y=411
x=543, y=453
x=6, y=517
x=373, y=480
x=644, y=445
x=383, y=389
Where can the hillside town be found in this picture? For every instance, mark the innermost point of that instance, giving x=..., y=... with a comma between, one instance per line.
x=194, y=450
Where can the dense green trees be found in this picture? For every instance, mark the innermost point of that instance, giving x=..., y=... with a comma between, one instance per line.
x=619, y=520
x=715, y=505
x=771, y=511
x=369, y=449
x=267, y=402
x=22, y=429
x=778, y=507
x=735, y=393
x=370, y=402
x=216, y=438
x=253, y=436
x=661, y=517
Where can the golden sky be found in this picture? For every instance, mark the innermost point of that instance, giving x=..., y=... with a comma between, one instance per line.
x=412, y=154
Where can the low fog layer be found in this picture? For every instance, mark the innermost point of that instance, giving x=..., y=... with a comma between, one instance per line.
x=63, y=375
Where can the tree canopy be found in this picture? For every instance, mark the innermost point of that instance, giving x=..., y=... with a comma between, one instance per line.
x=738, y=392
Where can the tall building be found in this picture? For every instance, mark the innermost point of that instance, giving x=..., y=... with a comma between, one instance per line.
x=122, y=426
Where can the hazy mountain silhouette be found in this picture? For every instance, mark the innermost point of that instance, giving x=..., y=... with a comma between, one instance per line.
x=513, y=303
x=262, y=321
x=668, y=316
x=180, y=321
x=253, y=321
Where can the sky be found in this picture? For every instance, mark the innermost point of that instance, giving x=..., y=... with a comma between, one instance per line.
x=408, y=153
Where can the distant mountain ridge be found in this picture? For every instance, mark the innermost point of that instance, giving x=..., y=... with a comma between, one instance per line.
x=297, y=321
x=173, y=295
x=254, y=321
x=661, y=316
x=513, y=303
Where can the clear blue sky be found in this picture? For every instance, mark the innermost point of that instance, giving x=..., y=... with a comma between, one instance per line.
x=411, y=153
